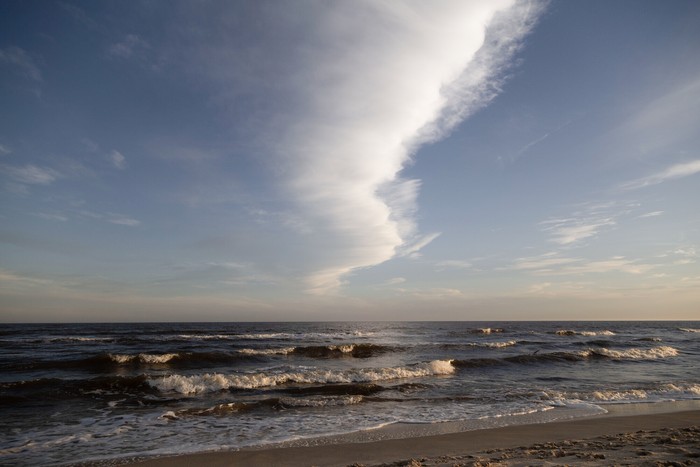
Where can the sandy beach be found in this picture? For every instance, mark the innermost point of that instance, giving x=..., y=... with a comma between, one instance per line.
x=627, y=435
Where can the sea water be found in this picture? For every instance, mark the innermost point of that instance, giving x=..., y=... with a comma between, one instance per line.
x=87, y=392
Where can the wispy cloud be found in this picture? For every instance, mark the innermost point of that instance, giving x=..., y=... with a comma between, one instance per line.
x=31, y=174
x=117, y=159
x=52, y=216
x=453, y=264
x=4, y=150
x=552, y=264
x=18, y=59
x=78, y=14
x=396, y=281
x=120, y=220
x=544, y=262
x=671, y=173
x=130, y=46
x=652, y=214
x=615, y=264
x=384, y=78
x=569, y=231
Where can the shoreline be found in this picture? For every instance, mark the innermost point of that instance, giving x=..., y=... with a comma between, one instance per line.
x=396, y=444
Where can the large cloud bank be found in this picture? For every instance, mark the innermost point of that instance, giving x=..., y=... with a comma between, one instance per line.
x=380, y=79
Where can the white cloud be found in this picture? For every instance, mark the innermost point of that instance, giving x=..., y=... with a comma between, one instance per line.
x=437, y=294
x=569, y=231
x=652, y=214
x=117, y=159
x=21, y=61
x=454, y=264
x=52, y=216
x=127, y=47
x=4, y=150
x=396, y=281
x=614, y=264
x=382, y=78
x=671, y=173
x=124, y=221
x=541, y=262
x=31, y=174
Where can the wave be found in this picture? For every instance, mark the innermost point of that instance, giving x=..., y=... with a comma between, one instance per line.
x=107, y=362
x=58, y=389
x=570, y=332
x=325, y=351
x=494, y=345
x=143, y=358
x=273, y=403
x=665, y=391
x=197, y=384
x=582, y=355
x=488, y=331
x=689, y=329
x=635, y=354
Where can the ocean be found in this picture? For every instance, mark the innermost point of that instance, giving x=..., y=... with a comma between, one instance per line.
x=74, y=393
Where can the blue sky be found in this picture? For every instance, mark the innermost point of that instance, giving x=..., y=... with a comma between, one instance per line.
x=349, y=160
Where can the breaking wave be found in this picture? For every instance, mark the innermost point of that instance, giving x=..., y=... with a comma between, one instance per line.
x=634, y=354
x=274, y=403
x=325, y=351
x=666, y=391
x=212, y=382
x=570, y=332
x=593, y=353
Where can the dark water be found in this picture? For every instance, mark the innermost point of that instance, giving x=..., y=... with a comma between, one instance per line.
x=80, y=392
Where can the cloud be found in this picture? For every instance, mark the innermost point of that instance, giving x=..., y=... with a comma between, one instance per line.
x=21, y=61
x=541, y=262
x=671, y=173
x=671, y=118
x=78, y=14
x=382, y=79
x=31, y=174
x=569, y=231
x=117, y=160
x=652, y=214
x=453, y=264
x=437, y=294
x=396, y=281
x=614, y=264
x=119, y=220
x=128, y=47
x=52, y=216
x=4, y=150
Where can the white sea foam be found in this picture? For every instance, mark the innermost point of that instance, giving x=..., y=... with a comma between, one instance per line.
x=498, y=345
x=689, y=329
x=280, y=351
x=143, y=358
x=668, y=391
x=211, y=382
x=634, y=354
x=320, y=401
x=488, y=330
x=570, y=332
x=79, y=339
x=493, y=345
x=206, y=337
x=266, y=335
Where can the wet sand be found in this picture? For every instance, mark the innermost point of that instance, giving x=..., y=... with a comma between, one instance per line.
x=625, y=436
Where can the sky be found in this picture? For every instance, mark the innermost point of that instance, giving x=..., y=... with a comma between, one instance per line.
x=365, y=160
